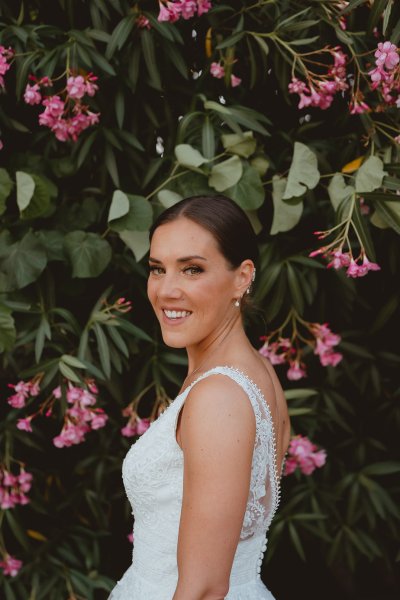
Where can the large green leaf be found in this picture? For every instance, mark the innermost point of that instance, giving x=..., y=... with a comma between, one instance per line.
x=226, y=174
x=6, y=185
x=286, y=216
x=169, y=198
x=24, y=262
x=25, y=189
x=139, y=216
x=370, y=175
x=249, y=191
x=137, y=241
x=7, y=329
x=119, y=206
x=303, y=173
x=88, y=253
x=33, y=194
x=242, y=145
x=340, y=196
x=188, y=156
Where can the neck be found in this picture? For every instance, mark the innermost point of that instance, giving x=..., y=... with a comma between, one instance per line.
x=207, y=352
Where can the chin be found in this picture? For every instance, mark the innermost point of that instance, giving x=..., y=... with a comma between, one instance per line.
x=174, y=341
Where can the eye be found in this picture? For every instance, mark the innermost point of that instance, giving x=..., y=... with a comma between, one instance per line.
x=154, y=270
x=193, y=270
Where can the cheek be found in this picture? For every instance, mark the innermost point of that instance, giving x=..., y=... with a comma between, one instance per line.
x=151, y=291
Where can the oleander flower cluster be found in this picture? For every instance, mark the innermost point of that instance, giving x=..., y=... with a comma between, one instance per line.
x=6, y=54
x=320, y=88
x=172, y=11
x=303, y=455
x=65, y=113
x=339, y=258
x=217, y=70
x=81, y=416
x=14, y=488
x=135, y=424
x=385, y=76
x=10, y=565
x=282, y=350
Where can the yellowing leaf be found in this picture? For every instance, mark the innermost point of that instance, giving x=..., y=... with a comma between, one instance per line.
x=36, y=535
x=208, y=43
x=353, y=165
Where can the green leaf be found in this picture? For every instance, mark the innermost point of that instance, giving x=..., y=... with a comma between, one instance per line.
x=286, y=216
x=261, y=164
x=299, y=393
x=150, y=59
x=208, y=138
x=248, y=191
x=242, y=145
x=168, y=198
x=295, y=288
x=363, y=231
x=389, y=212
x=88, y=253
x=137, y=241
x=231, y=40
x=303, y=172
x=72, y=361
x=139, y=216
x=25, y=189
x=188, y=156
x=6, y=185
x=68, y=372
x=382, y=468
x=370, y=175
x=226, y=174
x=120, y=35
x=24, y=263
x=262, y=44
x=7, y=329
x=103, y=349
x=340, y=195
x=119, y=206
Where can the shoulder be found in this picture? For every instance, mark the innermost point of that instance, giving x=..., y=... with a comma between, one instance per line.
x=217, y=406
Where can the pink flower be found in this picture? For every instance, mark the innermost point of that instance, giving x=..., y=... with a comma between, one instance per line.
x=188, y=9
x=142, y=426
x=203, y=6
x=386, y=55
x=296, y=371
x=217, y=70
x=235, y=81
x=32, y=94
x=129, y=430
x=10, y=565
x=130, y=537
x=99, y=419
x=164, y=13
x=358, y=107
x=303, y=453
x=76, y=87
x=17, y=400
x=25, y=424
x=142, y=22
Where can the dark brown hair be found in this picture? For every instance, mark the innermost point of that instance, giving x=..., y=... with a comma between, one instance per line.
x=223, y=218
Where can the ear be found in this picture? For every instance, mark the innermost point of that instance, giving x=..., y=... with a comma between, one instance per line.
x=244, y=274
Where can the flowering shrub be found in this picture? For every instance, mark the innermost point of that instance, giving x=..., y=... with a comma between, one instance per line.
x=290, y=110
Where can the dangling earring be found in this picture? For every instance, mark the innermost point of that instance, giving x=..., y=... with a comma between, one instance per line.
x=237, y=303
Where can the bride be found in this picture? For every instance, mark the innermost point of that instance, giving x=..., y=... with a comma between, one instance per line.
x=204, y=479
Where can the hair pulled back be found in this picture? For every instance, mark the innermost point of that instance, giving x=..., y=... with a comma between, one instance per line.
x=223, y=218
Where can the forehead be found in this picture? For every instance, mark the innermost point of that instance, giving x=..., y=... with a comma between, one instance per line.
x=180, y=237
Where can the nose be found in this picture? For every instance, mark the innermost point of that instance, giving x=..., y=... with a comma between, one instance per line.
x=169, y=287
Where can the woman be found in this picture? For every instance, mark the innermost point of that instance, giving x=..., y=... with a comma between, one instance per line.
x=203, y=480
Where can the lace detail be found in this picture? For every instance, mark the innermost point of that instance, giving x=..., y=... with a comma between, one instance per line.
x=153, y=477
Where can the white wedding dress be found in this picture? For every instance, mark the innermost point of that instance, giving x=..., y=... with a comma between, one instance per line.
x=153, y=477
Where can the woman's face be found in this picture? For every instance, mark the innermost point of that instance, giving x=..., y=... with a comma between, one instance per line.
x=191, y=286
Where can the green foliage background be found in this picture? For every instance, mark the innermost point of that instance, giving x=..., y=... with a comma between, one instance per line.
x=80, y=236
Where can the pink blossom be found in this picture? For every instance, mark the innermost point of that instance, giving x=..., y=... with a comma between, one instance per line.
x=5, y=55
x=13, y=488
x=32, y=94
x=303, y=453
x=164, y=13
x=143, y=22
x=130, y=537
x=129, y=430
x=355, y=270
x=386, y=55
x=76, y=87
x=188, y=9
x=235, y=81
x=142, y=426
x=25, y=424
x=17, y=400
x=340, y=259
x=203, y=6
x=99, y=419
x=217, y=70
x=296, y=86
x=296, y=371
x=358, y=107
x=10, y=565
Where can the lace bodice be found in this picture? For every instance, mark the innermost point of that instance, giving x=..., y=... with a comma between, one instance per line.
x=153, y=477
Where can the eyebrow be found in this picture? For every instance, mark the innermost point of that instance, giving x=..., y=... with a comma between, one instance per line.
x=180, y=260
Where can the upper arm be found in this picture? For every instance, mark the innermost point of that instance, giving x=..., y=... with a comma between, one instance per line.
x=217, y=435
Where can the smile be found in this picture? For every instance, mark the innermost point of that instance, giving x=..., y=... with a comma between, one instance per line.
x=176, y=314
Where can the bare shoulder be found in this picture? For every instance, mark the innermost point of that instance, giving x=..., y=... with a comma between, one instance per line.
x=217, y=407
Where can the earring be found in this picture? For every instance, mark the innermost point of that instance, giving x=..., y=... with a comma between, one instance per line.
x=252, y=281
x=237, y=303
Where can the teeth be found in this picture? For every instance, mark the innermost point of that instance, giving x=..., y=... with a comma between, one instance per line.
x=176, y=314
